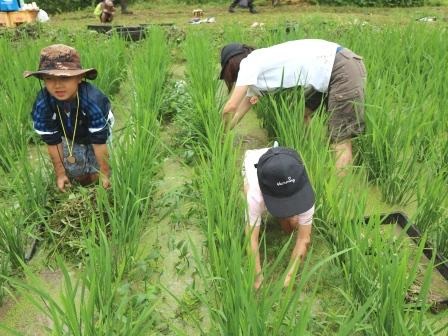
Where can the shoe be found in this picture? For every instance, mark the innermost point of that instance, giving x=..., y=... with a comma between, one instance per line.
x=231, y=10
x=127, y=12
x=253, y=11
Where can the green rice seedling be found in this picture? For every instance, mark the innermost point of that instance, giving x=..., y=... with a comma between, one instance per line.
x=4, y=271
x=395, y=169
x=93, y=304
x=12, y=239
x=109, y=57
x=16, y=96
x=382, y=265
x=400, y=122
x=282, y=31
x=203, y=86
x=133, y=183
x=431, y=199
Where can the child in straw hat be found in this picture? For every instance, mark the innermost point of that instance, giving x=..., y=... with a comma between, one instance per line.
x=73, y=118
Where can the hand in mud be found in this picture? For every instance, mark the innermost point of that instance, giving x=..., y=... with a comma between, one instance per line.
x=62, y=182
x=258, y=281
x=253, y=100
x=105, y=182
x=288, y=278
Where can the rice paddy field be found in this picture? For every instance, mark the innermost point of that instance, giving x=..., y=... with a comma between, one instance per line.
x=163, y=252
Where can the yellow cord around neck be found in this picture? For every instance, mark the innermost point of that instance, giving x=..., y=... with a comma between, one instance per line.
x=70, y=149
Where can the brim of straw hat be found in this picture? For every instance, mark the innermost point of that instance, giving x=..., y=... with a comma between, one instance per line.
x=89, y=73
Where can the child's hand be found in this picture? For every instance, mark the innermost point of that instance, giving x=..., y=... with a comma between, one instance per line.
x=253, y=100
x=105, y=182
x=62, y=182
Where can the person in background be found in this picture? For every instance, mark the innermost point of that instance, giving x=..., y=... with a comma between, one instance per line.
x=73, y=117
x=275, y=179
x=124, y=7
x=325, y=70
x=243, y=3
x=105, y=10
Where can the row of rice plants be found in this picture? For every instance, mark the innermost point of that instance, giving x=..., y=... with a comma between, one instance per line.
x=403, y=108
x=341, y=212
x=405, y=135
x=16, y=96
x=100, y=302
x=135, y=156
x=203, y=87
x=403, y=149
x=233, y=304
x=375, y=269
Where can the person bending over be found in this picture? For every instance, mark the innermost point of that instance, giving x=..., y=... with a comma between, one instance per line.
x=275, y=179
x=325, y=70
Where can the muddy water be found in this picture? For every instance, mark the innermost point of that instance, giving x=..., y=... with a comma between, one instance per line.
x=19, y=314
x=439, y=285
x=174, y=233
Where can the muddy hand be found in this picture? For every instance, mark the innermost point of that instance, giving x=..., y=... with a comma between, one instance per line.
x=62, y=182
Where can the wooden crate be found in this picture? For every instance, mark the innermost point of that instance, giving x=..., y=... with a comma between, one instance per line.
x=19, y=17
x=4, y=20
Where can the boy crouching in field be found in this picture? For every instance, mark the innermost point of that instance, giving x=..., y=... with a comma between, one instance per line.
x=73, y=117
x=105, y=10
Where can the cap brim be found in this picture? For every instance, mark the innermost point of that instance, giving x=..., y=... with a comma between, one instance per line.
x=296, y=204
x=89, y=73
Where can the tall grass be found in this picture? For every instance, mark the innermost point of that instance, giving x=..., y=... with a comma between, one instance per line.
x=201, y=73
x=94, y=303
x=234, y=306
x=16, y=97
x=379, y=270
x=108, y=56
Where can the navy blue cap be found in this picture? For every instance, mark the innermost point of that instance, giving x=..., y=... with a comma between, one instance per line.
x=228, y=52
x=284, y=182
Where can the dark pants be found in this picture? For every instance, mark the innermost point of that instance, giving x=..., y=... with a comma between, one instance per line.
x=124, y=5
x=250, y=4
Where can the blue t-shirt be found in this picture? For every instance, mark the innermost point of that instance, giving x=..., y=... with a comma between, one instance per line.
x=94, y=116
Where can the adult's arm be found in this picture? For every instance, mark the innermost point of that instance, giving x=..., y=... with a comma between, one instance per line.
x=236, y=107
x=56, y=152
x=102, y=157
x=254, y=250
x=303, y=239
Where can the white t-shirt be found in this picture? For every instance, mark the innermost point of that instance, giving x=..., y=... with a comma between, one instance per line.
x=255, y=201
x=304, y=63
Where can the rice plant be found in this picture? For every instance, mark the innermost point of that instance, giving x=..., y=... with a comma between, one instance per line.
x=203, y=86
x=16, y=97
x=140, y=145
x=93, y=304
x=109, y=57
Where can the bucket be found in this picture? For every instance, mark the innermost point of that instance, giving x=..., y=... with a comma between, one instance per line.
x=130, y=33
x=100, y=28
